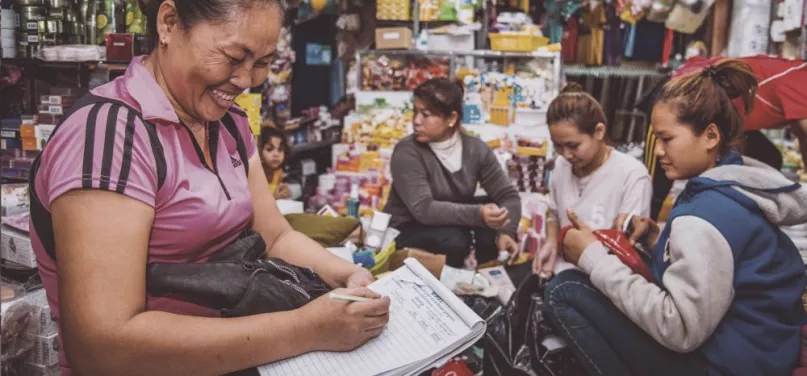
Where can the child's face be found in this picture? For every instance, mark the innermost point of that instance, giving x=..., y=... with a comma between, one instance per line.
x=272, y=153
x=681, y=152
x=580, y=149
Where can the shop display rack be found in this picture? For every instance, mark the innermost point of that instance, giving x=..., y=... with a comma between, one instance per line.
x=35, y=69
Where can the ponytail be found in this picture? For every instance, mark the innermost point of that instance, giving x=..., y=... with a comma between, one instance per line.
x=574, y=105
x=706, y=97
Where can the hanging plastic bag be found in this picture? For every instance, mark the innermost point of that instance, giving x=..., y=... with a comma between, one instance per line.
x=520, y=341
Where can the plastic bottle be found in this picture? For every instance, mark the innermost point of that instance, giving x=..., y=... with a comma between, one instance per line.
x=353, y=200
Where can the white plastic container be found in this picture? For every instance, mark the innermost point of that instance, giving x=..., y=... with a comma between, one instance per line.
x=530, y=118
x=8, y=19
x=9, y=53
x=451, y=43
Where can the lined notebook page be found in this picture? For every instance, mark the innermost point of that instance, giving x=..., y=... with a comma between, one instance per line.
x=421, y=325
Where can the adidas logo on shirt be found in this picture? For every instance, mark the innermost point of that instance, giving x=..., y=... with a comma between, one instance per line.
x=236, y=162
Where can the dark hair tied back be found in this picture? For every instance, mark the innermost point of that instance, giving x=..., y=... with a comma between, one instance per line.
x=710, y=72
x=442, y=96
x=701, y=99
x=572, y=87
x=576, y=106
x=190, y=12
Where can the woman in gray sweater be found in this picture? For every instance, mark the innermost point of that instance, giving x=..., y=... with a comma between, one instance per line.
x=435, y=174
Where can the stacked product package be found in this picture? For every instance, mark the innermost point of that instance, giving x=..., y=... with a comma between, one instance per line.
x=18, y=152
x=15, y=242
x=8, y=22
x=29, y=332
x=22, y=138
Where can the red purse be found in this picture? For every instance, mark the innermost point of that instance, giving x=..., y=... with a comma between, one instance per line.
x=617, y=243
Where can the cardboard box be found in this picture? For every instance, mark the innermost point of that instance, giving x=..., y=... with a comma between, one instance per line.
x=15, y=246
x=393, y=38
x=446, y=42
x=10, y=133
x=120, y=47
x=14, y=199
x=40, y=370
x=43, y=323
x=432, y=262
x=30, y=144
x=27, y=130
x=58, y=99
x=43, y=132
x=52, y=109
x=45, y=351
x=10, y=144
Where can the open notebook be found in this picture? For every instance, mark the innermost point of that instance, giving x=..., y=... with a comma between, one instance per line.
x=428, y=325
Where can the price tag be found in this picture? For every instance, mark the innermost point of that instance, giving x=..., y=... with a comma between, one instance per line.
x=33, y=38
x=31, y=26
x=55, y=110
x=8, y=134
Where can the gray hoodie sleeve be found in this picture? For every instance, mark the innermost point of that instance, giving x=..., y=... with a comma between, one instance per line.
x=411, y=182
x=698, y=283
x=500, y=189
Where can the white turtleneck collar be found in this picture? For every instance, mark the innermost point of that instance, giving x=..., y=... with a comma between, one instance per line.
x=449, y=152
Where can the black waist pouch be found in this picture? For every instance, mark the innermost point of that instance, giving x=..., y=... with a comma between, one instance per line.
x=237, y=280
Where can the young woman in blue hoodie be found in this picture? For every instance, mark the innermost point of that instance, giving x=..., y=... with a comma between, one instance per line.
x=728, y=283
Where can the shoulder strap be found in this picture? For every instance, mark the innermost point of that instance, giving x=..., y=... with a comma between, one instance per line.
x=40, y=217
x=240, y=145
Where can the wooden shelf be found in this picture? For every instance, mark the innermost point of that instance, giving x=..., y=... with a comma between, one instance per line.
x=108, y=65
x=52, y=64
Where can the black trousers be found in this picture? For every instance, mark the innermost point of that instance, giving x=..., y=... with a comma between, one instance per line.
x=454, y=242
x=757, y=146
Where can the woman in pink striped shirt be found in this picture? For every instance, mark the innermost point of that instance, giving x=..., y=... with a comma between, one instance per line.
x=142, y=170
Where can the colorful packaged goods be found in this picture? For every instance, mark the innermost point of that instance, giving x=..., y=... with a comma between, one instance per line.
x=399, y=73
x=393, y=10
x=380, y=128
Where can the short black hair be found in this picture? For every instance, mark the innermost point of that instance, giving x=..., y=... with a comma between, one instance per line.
x=442, y=96
x=190, y=12
x=268, y=133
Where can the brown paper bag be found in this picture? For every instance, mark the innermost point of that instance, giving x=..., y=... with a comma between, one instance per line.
x=432, y=262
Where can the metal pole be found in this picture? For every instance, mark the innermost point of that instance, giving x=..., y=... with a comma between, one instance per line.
x=415, y=19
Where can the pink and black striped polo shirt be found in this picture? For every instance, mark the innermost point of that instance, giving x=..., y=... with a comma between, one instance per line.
x=132, y=142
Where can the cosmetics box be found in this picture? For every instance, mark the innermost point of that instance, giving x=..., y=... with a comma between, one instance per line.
x=45, y=351
x=15, y=246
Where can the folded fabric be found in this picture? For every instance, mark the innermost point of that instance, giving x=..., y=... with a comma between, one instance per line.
x=327, y=231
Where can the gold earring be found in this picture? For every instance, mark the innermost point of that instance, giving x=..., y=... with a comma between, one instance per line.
x=162, y=41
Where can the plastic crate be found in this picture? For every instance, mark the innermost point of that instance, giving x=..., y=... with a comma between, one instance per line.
x=516, y=42
x=501, y=115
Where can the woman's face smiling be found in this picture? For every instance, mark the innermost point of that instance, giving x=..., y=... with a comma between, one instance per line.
x=206, y=66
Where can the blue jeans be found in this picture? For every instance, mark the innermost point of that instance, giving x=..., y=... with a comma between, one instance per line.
x=603, y=339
